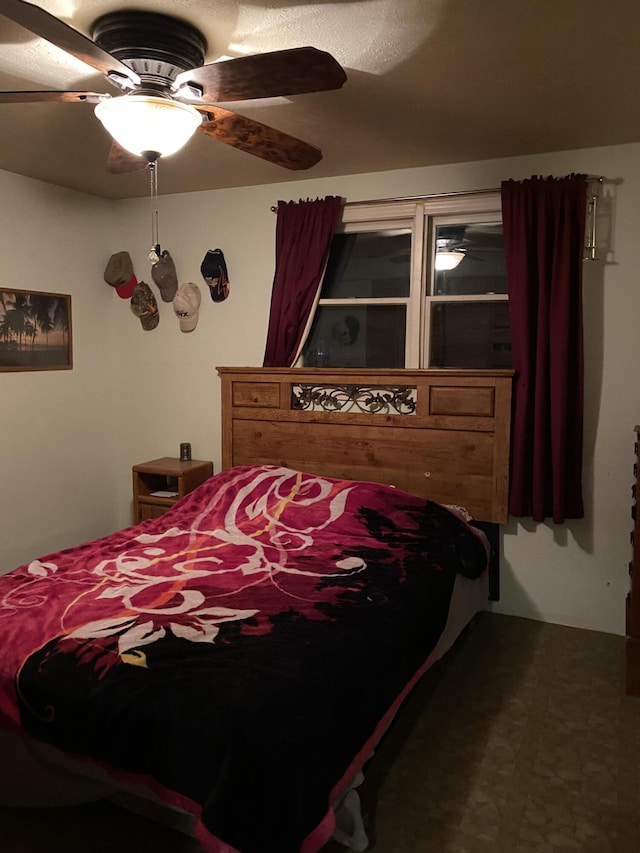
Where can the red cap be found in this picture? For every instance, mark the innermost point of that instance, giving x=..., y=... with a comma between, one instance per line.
x=125, y=291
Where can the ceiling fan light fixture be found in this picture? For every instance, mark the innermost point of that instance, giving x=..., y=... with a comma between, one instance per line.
x=142, y=123
x=448, y=259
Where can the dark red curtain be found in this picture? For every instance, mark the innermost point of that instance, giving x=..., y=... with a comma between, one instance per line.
x=303, y=238
x=544, y=227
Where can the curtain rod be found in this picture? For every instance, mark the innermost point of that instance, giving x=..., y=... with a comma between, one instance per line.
x=592, y=179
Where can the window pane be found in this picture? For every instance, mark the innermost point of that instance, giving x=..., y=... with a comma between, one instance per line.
x=368, y=264
x=356, y=336
x=470, y=334
x=480, y=268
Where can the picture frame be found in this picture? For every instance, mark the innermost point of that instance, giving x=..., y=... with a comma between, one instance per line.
x=35, y=330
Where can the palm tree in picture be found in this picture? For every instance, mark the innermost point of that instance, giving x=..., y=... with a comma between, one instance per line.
x=46, y=326
x=15, y=321
x=19, y=311
x=42, y=306
x=6, y=331
x=30, y=331
x=61, y=318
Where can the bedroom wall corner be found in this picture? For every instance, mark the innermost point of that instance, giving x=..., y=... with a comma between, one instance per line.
x=58, y=431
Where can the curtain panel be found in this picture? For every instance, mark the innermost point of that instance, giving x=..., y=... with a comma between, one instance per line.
x=304, y=231
x=544, y=228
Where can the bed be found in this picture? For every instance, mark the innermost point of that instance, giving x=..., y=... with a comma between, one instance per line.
x=238, y=659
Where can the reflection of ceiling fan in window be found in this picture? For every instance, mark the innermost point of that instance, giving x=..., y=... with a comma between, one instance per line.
x=166, y=93
x=451, y=247
x=454, y=243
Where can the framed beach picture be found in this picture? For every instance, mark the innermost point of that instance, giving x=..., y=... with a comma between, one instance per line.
x=35, y=331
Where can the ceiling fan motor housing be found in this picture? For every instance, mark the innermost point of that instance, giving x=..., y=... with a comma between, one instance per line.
x=157, y=47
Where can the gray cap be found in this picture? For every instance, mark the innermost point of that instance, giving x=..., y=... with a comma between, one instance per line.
x=163, y=272
x=119, y=269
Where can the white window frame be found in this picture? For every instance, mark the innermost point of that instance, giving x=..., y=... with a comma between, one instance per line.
x=432, y=298
x=420, y=216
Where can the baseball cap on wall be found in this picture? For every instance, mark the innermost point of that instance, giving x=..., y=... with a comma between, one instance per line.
x=119, y=274
x=144, y=306
x=186, y=303
x=214, y=272
x=163, y=272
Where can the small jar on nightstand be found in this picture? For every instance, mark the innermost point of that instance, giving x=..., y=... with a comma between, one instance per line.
x=158, y=484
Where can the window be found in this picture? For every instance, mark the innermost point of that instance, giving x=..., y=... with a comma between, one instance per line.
x=414, y=284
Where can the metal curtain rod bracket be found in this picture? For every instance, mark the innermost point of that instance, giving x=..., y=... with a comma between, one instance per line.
x=591, y=242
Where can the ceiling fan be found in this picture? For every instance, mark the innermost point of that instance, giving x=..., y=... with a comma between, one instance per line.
x=157, y=63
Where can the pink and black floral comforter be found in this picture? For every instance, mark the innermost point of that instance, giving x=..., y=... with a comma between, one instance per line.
x=241, y=653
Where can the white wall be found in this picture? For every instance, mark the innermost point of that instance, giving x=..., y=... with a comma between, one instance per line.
x=165, y=389
x=57, y=446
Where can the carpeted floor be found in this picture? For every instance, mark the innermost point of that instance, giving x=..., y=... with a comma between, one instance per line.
x=526, y=745
x=521, y=742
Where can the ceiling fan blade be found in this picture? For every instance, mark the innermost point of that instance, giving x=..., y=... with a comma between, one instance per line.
x=48, y=96
x=55, y=31
x=263, y=141
x=266, y=75
x=121, y=162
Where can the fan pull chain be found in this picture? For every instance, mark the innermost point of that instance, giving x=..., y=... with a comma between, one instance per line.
x=154, y=254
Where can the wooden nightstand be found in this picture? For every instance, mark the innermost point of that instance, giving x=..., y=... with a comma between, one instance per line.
x=171, y=478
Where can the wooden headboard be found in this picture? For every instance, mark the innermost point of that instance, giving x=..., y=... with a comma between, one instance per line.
x=440, y=434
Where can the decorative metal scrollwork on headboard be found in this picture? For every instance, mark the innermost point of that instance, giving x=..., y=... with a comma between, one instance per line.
x=369, y=399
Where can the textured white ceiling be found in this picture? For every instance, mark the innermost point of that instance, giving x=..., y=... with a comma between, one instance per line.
x=429, y=82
